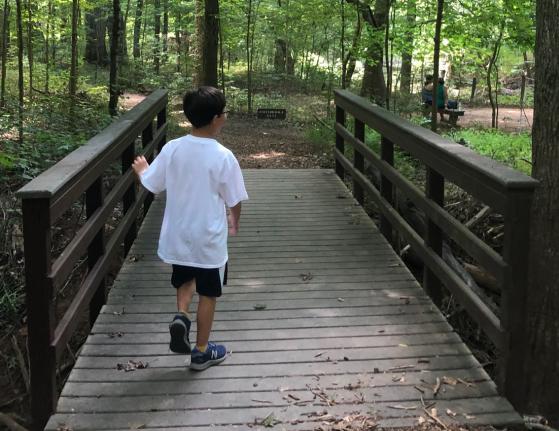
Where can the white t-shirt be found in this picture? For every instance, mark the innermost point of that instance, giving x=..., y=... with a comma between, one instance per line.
x=200, y=176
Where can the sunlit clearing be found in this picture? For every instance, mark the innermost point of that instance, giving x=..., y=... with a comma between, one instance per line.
x=268, y=155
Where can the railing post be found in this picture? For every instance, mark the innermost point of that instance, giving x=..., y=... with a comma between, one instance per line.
x=359, y=161
x=387, y=155
x=129, y=196
x=340, y=119
x=161, y=120
x=147, y=137
x=40, y=308
x=511, y=375
x=434, y=190
x=93, y=200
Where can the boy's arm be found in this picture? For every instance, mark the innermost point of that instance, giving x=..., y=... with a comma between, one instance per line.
x=233, y=219
x=140, y=165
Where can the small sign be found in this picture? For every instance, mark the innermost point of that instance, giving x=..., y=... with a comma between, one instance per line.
x=271, y=113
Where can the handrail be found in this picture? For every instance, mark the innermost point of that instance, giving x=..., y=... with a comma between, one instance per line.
x=505, y=190
x=45, y=199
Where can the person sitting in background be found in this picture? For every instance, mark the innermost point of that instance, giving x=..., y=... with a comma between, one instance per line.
x=426, y=94
x=442, y=96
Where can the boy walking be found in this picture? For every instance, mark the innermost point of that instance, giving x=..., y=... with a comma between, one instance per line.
x=201, y=177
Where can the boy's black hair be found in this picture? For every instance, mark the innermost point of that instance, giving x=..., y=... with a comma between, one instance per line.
x=202, y=105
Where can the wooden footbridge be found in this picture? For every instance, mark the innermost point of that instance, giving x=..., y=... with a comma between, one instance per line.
x=324, y=321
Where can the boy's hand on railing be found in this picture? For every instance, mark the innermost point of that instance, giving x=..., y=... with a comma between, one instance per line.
x=140, y=165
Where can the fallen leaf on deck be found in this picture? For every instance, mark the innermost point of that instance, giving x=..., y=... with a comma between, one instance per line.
x=260, y=307
x=401, y=407
x=450, y=413
x=269, y=421
x=115, y=334
x=341, y=299
x=306, y=277
x=132, y=366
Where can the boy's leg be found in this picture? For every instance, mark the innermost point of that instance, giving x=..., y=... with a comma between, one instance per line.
x=208, y=286
x=184, y=296
x=204, y=320
x=179, y=328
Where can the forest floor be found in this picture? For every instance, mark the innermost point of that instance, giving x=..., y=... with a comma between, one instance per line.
x=510, y=119
x=256, y=143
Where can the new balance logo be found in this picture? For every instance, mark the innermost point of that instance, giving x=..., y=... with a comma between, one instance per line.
x=214, y=354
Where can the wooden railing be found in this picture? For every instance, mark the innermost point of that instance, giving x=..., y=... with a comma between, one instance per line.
x=45, y=200
x=505, y=190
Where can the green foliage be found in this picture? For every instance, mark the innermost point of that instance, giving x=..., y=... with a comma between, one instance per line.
x=515, y=150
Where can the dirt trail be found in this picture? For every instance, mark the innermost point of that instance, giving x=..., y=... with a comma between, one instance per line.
x=510, y=119
x=255, y=143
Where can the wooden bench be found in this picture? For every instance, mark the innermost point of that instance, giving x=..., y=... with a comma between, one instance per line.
x=453, y=115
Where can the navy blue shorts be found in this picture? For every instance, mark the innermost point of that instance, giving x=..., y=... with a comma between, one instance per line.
x=209, y=281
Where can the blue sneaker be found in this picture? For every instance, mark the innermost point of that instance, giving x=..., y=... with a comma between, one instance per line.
x=180, y=331
x=214, y=354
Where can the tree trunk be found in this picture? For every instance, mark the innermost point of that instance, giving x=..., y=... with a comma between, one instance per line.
x=248, y=56
x=123, y=32
x=473, y=93
x=47, y=47
x=407, y=52
x=157, y=34
x=350, y=59
x=373, y=85
x=438, y=25
x=137, y=29
x=527, y=65
x=96, y=27
x=198, y=43
x=280, y=56
x=542, y=324
x=20, y=69
x=165, y=29
x=178, y=39
x=113, y=84
x=30, y=46
x=4, y=52
x=211, y=42
x=342, y=44
x=73, y=83
x=490, y=67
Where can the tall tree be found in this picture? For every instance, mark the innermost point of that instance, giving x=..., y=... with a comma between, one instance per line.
x=542, y=324
x=96, y=29
x=115, y=50
x=73, y=83
x=20, y=69
x=165, y=29
x=436, y=54
x=137, y=29
x=407, y=52
x=47, y=46
x=211, y=40
x=373, y=84
x=350, y=59
x=157, y=34
x=30, y=46
x=4, y=52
